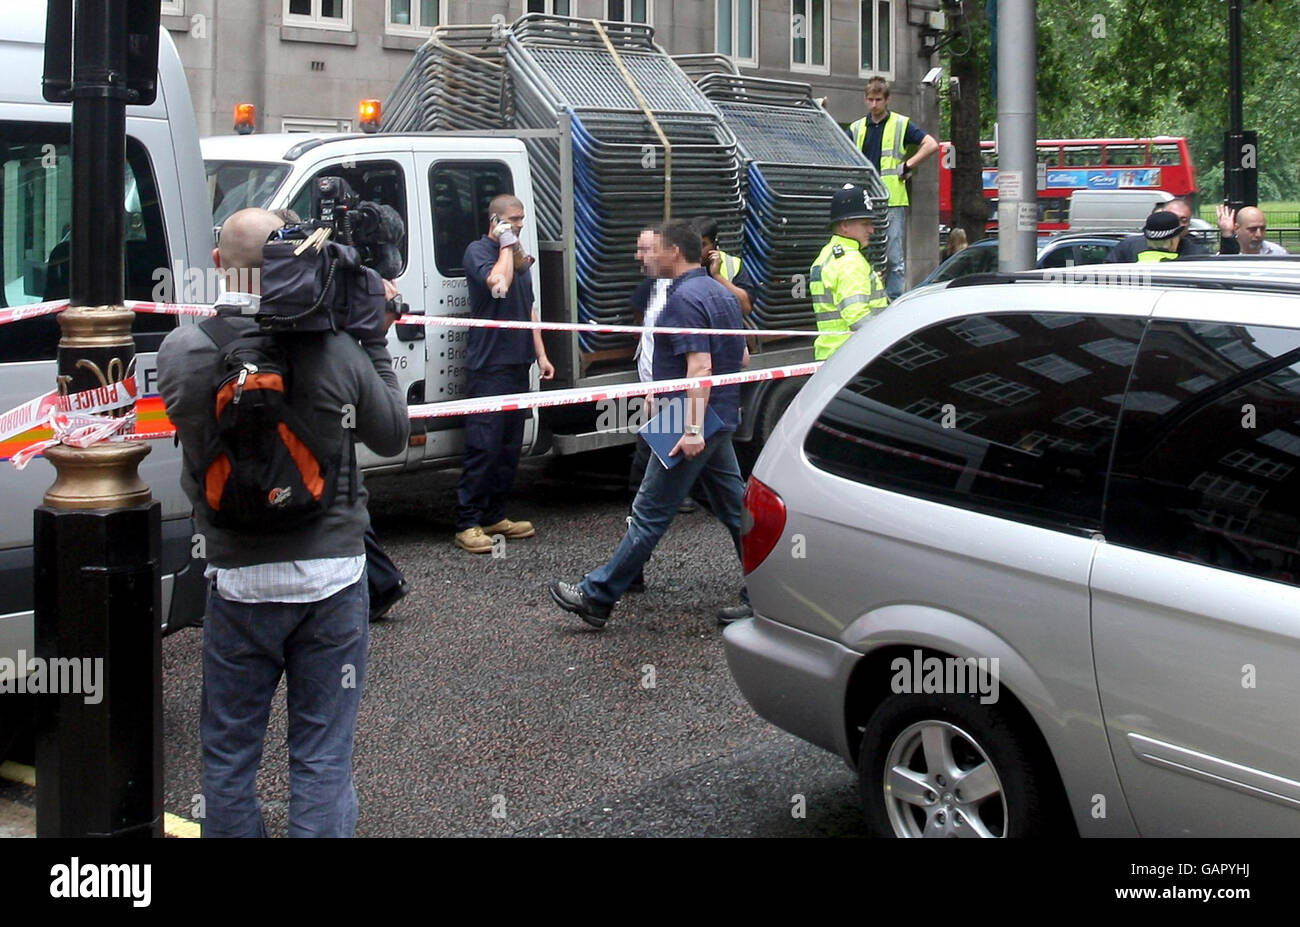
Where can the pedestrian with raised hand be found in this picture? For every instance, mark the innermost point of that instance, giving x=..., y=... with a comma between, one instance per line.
x=694, y=300
x=498, y=360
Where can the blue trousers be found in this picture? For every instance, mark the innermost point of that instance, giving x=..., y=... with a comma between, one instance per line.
x=661, y=493
x=895, y=239
x=492, y=446
x=320, y=647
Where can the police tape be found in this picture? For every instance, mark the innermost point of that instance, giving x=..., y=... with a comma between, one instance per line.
x=36, y=412
x=75, y=430
x=520, y=402
x=19, y=313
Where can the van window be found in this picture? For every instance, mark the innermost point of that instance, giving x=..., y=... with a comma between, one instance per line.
x=1207, y=466
x=1010, y=414
x=35, y=240
x=377, y=181
x=460, y=192
x=236, y=185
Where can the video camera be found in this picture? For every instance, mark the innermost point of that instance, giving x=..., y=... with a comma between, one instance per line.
x=328, y=272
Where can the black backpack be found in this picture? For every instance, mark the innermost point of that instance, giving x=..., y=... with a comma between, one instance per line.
x=264, y=469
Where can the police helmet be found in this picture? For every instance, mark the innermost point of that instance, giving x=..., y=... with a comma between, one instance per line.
x=851, y=202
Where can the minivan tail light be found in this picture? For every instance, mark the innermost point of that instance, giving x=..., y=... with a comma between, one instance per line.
x=763, y=524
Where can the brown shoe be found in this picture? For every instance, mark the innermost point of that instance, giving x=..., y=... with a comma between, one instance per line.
x=474, y=540
x=513, y=530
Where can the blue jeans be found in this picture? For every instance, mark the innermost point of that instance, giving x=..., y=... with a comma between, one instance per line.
x=321, y=649
x=895, y=274
x=662, y=491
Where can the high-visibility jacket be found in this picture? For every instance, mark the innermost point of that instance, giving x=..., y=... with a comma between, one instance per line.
x=844, y=290
x=1152, y=255
x=891, y=153
x=729, y=266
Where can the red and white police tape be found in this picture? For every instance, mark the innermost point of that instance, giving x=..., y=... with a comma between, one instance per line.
x=75, y=421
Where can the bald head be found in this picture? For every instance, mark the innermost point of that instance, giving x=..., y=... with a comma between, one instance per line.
x=242, y=238
x=1251, y=228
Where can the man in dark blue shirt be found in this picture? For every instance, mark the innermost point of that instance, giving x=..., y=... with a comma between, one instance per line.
x=498, y=360
x=695, y=300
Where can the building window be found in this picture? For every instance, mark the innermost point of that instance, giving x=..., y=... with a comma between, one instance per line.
x=736, y=28
x=173, y=7
x=809, y=36
x=321, y=14
x=415, y=17
x=630, y=11
x=550, y=7
x=876, y=38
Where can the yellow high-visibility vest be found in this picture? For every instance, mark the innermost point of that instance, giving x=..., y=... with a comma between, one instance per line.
x=844, y=290
x=891, y=153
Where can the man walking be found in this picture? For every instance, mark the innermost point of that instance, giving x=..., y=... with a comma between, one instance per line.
x=844, y=287
x=293, y=602
x=885, y=137
x=694, y=300
x=498, y=360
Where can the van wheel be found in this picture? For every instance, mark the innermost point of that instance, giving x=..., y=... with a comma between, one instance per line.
x=948, y=766
x=774, y=404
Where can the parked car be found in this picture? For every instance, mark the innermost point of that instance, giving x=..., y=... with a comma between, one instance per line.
x=1026, y=554
x=1057, y=251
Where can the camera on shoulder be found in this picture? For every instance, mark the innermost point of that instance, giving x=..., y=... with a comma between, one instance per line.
x=327, y=273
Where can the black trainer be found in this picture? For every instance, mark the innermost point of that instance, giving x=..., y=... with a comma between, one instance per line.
x=735, y=613
x=380, y=607
x=638, y=584
x=570, y=598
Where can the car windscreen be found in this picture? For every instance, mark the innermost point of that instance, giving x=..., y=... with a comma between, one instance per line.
x=235, y=185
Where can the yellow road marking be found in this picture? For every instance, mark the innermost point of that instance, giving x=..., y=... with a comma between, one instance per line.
x=18, y=772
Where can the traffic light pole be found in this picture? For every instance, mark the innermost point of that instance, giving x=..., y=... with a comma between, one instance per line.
x=97, y=536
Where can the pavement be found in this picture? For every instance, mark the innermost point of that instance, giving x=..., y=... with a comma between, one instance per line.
x=490, y=712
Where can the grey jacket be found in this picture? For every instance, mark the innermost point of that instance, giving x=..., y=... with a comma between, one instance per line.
x=329, y=372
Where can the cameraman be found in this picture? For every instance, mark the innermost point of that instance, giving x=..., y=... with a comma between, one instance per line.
x=497, y=360
x=292, y=603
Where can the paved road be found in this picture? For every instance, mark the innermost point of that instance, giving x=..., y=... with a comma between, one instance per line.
x=488, y=711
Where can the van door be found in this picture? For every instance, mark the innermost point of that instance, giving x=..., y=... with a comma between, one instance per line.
x=1196, y=592
x=457, y=189
x=383, y=177
x=36, y=203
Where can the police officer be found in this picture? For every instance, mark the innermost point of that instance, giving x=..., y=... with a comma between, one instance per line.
x=1163, y=233
x=843, y=286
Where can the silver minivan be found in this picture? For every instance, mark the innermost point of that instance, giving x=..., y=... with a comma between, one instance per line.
x=168, y=225
x=1026, y=554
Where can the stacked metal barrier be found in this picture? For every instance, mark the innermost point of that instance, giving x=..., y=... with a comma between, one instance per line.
x=545, y=67
x=796, y=158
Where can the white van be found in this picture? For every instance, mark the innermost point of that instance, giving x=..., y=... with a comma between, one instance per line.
x=1113, y=210
x=439, y=185
x=168, y=221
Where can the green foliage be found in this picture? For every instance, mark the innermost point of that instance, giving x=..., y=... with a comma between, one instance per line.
x=1157, y=67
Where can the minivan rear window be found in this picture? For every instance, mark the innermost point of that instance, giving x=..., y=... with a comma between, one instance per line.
x=1011, y=414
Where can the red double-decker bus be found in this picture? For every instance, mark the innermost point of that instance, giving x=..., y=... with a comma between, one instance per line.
x=1066, y=165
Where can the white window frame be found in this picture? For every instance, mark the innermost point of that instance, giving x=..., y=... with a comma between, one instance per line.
x=419, y=29
x=825, y=66
x=550, y=8
x=874, y=70
x=734, y=27
x=173, y=7
x=627, y=5
x=314, y=124
x=316, y=21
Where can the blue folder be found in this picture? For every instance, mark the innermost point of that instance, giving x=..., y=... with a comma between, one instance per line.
x=669, y=424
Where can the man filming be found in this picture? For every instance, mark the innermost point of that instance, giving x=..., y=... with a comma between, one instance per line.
x=291, y=602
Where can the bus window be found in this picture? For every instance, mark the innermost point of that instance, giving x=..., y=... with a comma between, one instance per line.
x=1165, y=153
x=1082, y=155
x=1126, y=155
x=1049, y=155
x=989, y=157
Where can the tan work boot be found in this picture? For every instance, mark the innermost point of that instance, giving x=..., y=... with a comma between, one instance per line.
x=513, y=530
x=474, y=540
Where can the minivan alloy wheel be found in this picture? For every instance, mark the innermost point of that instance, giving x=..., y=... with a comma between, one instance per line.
x=938, y=782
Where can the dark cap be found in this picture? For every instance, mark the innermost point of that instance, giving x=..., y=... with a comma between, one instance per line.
x=1161, y=225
